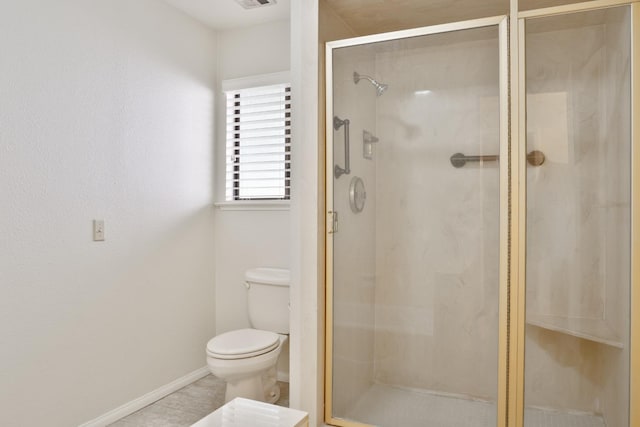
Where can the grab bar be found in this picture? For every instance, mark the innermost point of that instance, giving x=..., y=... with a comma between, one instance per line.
x=337, y=170
x=458, y=160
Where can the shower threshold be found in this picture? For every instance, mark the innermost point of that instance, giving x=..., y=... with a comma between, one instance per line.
x=388, y=406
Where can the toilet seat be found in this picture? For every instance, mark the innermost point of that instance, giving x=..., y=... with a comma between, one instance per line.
x=242, y=344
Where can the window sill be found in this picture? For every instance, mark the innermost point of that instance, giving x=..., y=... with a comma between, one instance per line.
x=254, y=205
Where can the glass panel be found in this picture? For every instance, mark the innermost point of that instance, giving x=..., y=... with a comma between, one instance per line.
x=578, y=219
x=416, y=271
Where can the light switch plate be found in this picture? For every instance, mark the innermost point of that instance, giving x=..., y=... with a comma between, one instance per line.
x=98, y=230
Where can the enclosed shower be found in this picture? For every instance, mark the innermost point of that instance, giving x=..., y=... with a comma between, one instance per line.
x=479, y=232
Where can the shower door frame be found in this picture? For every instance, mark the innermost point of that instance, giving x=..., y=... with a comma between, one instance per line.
x=501, y=22
x=519, y=196
x=512, y=202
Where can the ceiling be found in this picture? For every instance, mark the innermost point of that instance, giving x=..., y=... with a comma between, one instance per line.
x=378, y=16
x=227, y=14
x=363, y=16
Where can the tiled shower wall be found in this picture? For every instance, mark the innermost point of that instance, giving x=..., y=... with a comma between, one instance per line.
x=578, y=211
x=437, y=227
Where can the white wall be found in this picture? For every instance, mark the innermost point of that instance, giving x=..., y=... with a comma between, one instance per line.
x=307, y=216
x=106, y=112
x=247, y=238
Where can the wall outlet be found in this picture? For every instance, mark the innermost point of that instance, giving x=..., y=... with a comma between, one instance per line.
x=98, y=230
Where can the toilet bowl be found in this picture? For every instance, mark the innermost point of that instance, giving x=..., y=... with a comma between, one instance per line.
x=246, y=358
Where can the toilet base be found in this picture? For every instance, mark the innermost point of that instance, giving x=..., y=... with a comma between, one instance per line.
x=270, y=386
x=251, y=377
x=262, y=387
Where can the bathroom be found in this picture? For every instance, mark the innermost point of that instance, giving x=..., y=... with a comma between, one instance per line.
x=132, y=110
x=126, y=93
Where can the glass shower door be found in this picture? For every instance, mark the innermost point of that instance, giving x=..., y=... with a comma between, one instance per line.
x=416, y=127
x=578, y=219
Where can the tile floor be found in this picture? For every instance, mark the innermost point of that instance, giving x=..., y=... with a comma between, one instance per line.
x=187, y=405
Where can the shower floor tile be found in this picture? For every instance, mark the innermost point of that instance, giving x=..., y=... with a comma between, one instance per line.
x=388, y=406
x=534, y=417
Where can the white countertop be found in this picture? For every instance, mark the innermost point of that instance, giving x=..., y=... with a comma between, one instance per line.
x=250, y=413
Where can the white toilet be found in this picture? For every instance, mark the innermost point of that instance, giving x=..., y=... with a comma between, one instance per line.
x=246, y=358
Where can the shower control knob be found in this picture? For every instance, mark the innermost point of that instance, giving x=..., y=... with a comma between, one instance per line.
x=357, y=194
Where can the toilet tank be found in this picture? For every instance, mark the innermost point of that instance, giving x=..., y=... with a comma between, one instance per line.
x=268, y=298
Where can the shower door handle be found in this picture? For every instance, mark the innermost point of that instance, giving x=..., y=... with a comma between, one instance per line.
x=337, y=170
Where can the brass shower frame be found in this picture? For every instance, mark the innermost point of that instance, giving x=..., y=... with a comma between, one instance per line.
x=512, y=305
x=501, y=23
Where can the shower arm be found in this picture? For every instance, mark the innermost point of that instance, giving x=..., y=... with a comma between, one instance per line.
x=337, y=170
x=380, y=87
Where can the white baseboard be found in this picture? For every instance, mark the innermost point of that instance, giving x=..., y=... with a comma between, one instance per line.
x=153, y=396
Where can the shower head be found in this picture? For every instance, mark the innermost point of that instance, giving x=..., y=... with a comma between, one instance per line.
x=380, y=87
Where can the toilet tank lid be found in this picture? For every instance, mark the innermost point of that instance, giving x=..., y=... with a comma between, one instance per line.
x=268, y=275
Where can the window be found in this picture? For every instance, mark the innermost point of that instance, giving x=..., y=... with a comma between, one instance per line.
x=258, y=143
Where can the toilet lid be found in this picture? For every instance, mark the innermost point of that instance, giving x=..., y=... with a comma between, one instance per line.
x=242, y=343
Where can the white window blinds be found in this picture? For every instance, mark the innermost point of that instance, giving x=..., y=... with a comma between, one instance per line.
x=259, y=143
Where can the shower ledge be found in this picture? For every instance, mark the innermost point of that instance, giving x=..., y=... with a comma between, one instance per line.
x=589, y=329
